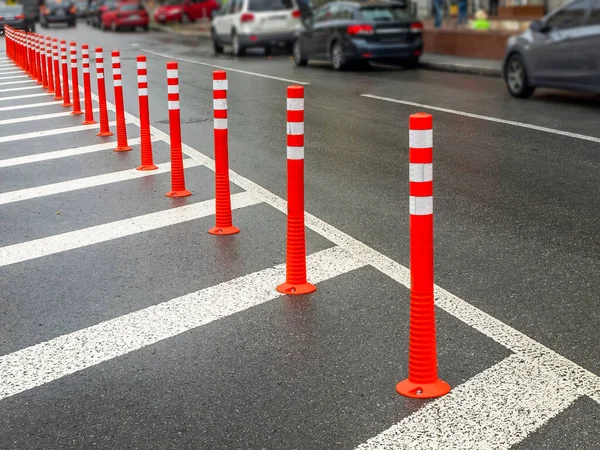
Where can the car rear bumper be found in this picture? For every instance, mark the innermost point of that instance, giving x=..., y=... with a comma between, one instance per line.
x=163, y=17
x=263, y=39
x=18, y=24
x=362, y=49
x=132, y=23
x=59, y=19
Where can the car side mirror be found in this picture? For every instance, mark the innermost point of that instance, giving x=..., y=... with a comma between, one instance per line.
x=539, y=26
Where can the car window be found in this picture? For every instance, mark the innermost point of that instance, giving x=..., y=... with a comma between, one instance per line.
x=322, y=14
x=11, y=11
x=594, y=18
x=238, y=5
x=570, y=16
x=385, y=14
x=269, y=5
x=131, y=7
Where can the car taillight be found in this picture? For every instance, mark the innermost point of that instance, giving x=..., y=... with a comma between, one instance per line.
x=1, y=17
x=359, y=29
x=73, y=9
x=20, y=16
x=296, y=13
x=247, y=17
x=45, y=10
x=416, y=27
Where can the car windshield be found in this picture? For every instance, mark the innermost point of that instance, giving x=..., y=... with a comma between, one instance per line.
x=58, y=3
x=10, y=10
x=172, y=3
x=130, y=7
x=269, y=5
x=385, y=14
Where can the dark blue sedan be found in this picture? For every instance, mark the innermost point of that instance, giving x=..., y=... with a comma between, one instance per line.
x=354, y=33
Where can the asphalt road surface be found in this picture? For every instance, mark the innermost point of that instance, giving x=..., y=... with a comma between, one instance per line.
x=125, y=325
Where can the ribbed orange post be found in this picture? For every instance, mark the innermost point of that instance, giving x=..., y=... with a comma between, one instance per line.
x=177, y=176
x=122, y=145
x=56, y=69
x=49, y=65
x=295, y=261
x=145, y=140
x=223, y=216
x=65, y=74
x=75, y=80
x=43, y=62
x=422, y=381
x=104, y=127
x=87, y=86
x=38, y=60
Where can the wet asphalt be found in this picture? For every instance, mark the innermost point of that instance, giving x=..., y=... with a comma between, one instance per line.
x=517, y=214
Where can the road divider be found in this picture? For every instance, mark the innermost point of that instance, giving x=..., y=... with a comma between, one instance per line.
x=49, y=65
x=146, y=143
x=75, y=80
x=56, y=70
x=104, y=128
x=65, y=74
x=118, y=88
x=87, y=86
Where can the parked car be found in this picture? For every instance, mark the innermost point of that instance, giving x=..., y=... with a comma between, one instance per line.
x=192, y=10
x=97, y=9
x=58, y=11
x=129, y=14
x=559, y=51
x=255, y=23
x=81, y=9
x=14, y=16
x=354, y=33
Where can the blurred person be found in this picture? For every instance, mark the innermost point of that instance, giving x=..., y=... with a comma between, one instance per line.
x=438, y=6
x=481, y=21
x=493, y=8
x=462, y=12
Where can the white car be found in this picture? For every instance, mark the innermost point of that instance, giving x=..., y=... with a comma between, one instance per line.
x=245, y=24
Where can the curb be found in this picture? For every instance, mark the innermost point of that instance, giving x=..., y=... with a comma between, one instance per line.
x=462, y=68
x=167, y=29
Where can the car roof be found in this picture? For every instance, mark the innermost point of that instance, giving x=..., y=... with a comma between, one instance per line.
x=366, y=3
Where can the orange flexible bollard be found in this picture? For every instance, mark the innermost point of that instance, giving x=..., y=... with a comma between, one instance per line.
x=56, y=69
x=75, y=80
x=104, y=127
x=422, y=381
x=145, y=140
x=295, y=260
x=87, y=86
x=49, y=65
x=122, y=145
x=65, y=75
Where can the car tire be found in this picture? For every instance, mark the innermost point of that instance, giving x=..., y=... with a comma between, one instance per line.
x=238, y=49
x=515, y=75
x=410, y=63
x=217, y=47
x=71, y=24
x=299, y=56
x=146, y=28
x=338, y=59
x=268, y=50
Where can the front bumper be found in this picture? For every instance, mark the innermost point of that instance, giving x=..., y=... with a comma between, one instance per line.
x=59, y=19
x=270, y=39
x=18, y=24
x=363, y=49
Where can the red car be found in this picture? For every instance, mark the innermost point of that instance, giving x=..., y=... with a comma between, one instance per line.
x=125, y=15
x=175, y=10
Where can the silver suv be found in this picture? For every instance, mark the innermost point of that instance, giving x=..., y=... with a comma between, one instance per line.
x=562, y=50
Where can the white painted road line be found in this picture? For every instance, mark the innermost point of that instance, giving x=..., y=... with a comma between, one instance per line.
x=13, y=77
x=63, y=153
x=64, y=355
x=587, y=382
x=497, y=409
x=18, y=97
x=230, y=69
x=489, y=119
x=9, y=71
x=40, y=117
x=38, y=248
x=87, y=182
x=21, y=88
x=44, y=133
x=30, y=105
x=15, y=82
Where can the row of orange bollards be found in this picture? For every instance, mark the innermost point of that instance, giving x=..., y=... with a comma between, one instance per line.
x=39, y=57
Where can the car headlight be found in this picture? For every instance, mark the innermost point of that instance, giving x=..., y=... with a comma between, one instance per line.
x=175, y=11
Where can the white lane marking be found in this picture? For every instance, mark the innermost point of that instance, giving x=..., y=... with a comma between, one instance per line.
x=38, y=134
x=30, y=105
x=37, y=248
x=18, y=97
x=229, y=69
x=587, y=382
x=9, y=71
x=64, y=355
x=87, y=182
x=16, y=82
x=22, y=88
x=13, y=77
x=64, y=153
x=488, y=118
x=497, y=408
x=40, y=117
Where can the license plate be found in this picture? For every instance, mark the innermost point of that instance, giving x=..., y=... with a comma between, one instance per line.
x=161, y=17
x=60, y=13
x=134, y=17
x=276, y=18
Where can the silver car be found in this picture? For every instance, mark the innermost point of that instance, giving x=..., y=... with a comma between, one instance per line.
x=562, y=50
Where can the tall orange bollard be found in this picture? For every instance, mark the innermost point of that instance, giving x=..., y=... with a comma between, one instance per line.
x=177, y=176
x=38, y=61
x=122, y=145
x=56, y=69
x=87, y=86
x=49, y=65
x=65, y=74
x=104, y=127
x=145, y=140
x=43, y=63
x=31, y=59
x=295, y=260
x=223, y=219
x=75, y=80
x=422, y=381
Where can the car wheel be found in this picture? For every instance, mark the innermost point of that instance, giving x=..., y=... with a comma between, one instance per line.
x=146, y=28
x=338, y=59
x=218, y=48
x=268, y=50
x=238, y=50
x=516, y=78
x=299, y=57
x=71, y=24
x=410, y=63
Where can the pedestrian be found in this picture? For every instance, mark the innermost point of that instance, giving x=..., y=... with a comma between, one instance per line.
x=438, y=6
x=462, y=12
